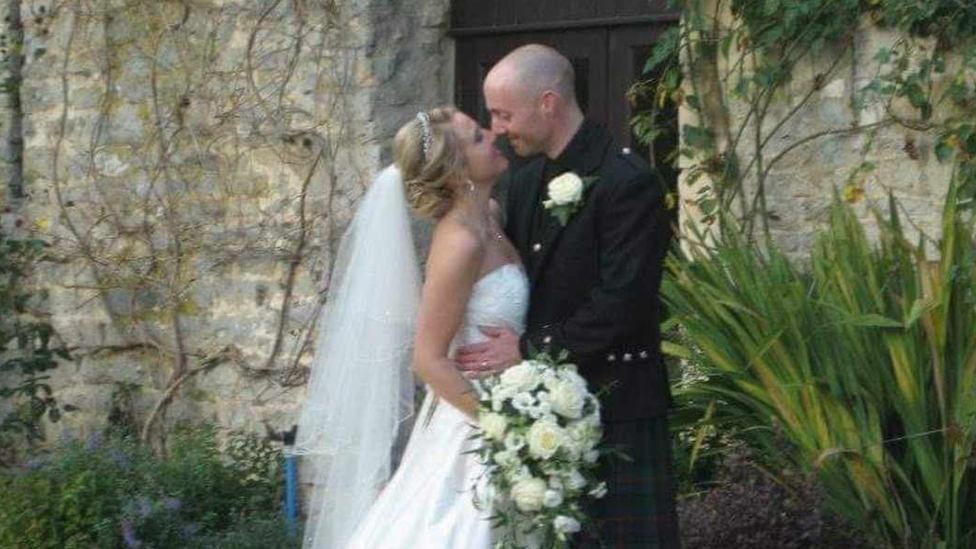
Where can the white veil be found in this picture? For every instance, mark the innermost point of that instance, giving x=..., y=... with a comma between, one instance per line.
x=361, y=387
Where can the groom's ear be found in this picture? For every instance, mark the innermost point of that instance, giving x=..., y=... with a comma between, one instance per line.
x=549, y=102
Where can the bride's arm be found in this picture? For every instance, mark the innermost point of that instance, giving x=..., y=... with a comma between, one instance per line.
x=452, y=269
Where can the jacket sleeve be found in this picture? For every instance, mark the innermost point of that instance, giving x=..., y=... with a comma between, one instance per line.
x=634, y=237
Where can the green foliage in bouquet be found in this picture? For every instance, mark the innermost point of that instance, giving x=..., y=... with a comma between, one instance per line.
x=110, y=492
x=863, y=362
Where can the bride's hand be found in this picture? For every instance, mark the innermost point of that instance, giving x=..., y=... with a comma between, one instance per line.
x=499, y=352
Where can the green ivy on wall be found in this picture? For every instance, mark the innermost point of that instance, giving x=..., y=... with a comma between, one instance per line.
x=761, y=43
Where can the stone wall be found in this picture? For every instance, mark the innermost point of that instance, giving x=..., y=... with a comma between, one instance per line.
x=819, y=136
x=193, y=164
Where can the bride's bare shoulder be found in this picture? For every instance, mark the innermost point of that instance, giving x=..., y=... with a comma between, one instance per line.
x=455, y=244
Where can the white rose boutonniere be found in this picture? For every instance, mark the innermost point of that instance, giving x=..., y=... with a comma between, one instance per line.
x=566, y=195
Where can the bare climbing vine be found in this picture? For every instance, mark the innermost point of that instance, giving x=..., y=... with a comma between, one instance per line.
x=219, y=134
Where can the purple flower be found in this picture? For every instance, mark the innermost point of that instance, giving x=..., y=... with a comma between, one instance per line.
x=120, y=459
x=93, y=442
x=172, y=504
x=129, y=536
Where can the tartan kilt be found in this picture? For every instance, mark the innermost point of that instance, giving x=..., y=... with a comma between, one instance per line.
x=639, y=509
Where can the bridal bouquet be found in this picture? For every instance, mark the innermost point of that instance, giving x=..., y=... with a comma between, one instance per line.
x=539, y=432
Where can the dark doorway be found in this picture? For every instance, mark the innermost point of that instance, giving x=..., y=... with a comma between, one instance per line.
x=607, y=41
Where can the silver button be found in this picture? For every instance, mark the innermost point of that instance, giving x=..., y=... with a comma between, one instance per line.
x=547, y=340
x=611, y=357
x=625, y=150
x=536, y=247
x=643, y=354
x=627, y=357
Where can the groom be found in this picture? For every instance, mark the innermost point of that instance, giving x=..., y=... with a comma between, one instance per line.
x=594, y=281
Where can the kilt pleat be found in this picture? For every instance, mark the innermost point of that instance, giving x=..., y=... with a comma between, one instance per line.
x=639, y=508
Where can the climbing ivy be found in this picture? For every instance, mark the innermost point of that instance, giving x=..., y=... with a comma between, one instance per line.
x=930, y=69
x=28, y=352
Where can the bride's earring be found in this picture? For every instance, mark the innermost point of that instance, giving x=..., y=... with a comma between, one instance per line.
x=469, y=187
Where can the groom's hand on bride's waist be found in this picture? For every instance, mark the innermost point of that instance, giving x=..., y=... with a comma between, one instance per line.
x=500, y=351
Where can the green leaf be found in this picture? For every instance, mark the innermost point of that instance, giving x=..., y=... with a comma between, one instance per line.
x=919, y=307
x=697, y=137
x=872, y=320
x=675, y=350
x=708, y=206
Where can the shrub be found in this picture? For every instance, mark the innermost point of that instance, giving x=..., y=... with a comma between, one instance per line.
x=112, y=493
x=863, y=361
x=751, y=510
x=267, y=532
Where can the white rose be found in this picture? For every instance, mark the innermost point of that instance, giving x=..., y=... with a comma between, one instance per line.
x=565, y=189
x=545, y=437
x=567, y=400
x=524, y=376
x=529, y=494
x=493, y=425
x=553, y=498
x=591, y=457
x=599, y=491
x=565, y=525
x=574, y=480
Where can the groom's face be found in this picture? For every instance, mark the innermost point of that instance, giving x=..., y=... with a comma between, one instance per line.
x=517, y=115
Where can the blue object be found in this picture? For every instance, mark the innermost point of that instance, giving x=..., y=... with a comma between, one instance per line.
x=290, y=493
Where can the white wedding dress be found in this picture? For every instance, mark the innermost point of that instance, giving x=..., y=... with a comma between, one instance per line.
x=428, y=503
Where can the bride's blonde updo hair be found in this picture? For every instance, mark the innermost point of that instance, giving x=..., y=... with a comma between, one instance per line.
x=429, y=179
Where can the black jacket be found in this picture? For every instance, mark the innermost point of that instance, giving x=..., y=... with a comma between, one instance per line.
x=595, y=282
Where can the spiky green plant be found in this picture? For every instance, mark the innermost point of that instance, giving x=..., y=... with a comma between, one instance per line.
x=858, y=366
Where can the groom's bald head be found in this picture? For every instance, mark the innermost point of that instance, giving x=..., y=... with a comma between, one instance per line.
x=531, y=97
x=533, y=70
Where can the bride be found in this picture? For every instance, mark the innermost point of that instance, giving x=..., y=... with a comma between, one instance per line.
x=378, y=323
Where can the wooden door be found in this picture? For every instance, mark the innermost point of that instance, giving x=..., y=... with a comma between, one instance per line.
x=607, y=41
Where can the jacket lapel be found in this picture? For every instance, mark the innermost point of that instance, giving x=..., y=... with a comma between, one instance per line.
x=585, y=161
